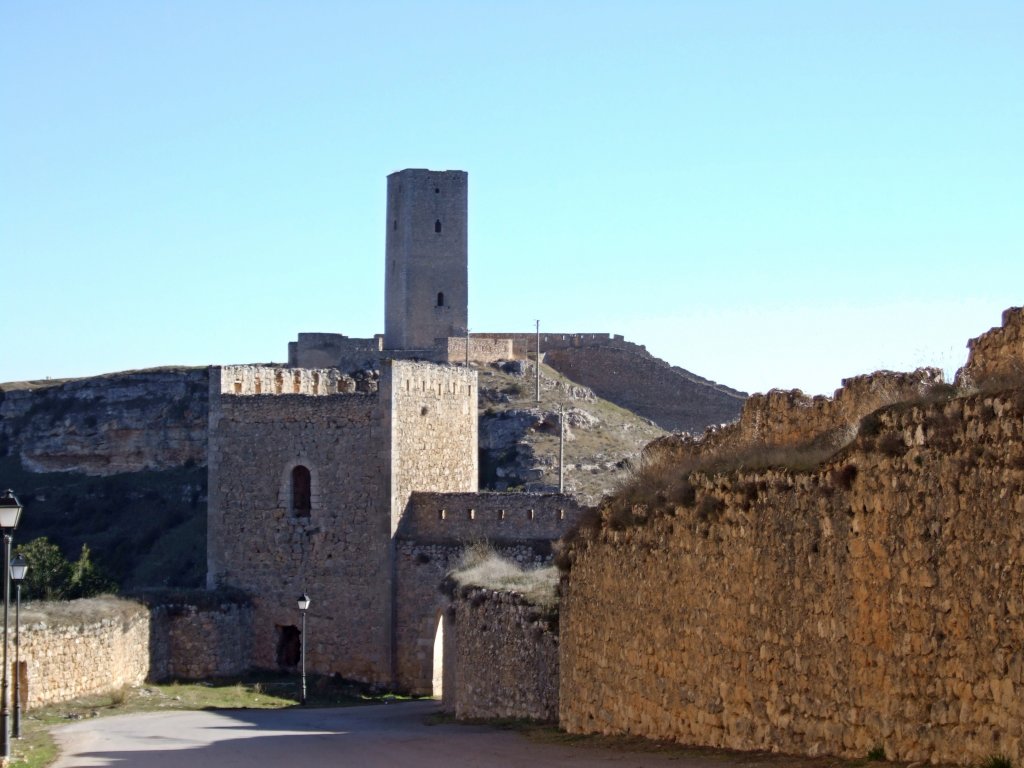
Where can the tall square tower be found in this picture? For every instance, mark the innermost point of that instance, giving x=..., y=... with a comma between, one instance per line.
x=427, y=262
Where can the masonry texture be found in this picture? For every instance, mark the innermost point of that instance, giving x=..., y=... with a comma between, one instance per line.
x=504, y=658
x=85, y=648
x=877, y=601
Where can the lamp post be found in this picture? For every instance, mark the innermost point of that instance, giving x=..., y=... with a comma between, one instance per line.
x=303, y=606
x=19, y=567
x=10, y=513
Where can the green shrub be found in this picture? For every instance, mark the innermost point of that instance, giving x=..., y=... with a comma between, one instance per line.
x=877, y=754
x=997, y=761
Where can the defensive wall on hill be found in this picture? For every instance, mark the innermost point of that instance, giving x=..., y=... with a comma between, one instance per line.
x=876, y=601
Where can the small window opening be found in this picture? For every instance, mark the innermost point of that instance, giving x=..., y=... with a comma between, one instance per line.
x=530, y=514
x=394, y=224
x=259, y=386
x=442, y=515
x=472, y=514
x=238, y=387
x=501, y=514
x=561, y=514
x=301, y=495
x=440, y=299
x=437, y=190
x=437, y=226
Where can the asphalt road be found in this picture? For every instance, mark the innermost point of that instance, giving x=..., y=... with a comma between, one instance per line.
x=391, y=736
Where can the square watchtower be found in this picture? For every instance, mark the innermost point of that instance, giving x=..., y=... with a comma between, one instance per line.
x=427, y=272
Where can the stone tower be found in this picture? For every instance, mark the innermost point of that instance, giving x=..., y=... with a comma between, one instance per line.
x=426, y=283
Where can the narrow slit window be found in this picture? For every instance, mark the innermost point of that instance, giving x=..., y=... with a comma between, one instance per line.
x=440, y=299
x=437, y=226
x=301, y=492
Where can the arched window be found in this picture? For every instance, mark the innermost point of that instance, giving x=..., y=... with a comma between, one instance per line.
x=437, y=226
x=301, y=495
x=440, y=299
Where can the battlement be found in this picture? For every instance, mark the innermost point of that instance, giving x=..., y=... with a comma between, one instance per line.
x=274, y=380
x=490, y=516
x=525, y=344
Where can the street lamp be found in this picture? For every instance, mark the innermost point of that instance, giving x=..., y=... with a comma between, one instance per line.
x=19, y=567
x=303, y=606
x=10, y=513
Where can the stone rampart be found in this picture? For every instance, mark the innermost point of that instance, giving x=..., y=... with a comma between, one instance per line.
x=786, y=418
x=198, y=634
x=334, y=350
x=503, y=661
x=467, y=517
x=82, y=648
x=875, y=602
x=420, y=569
x=996, y=358
x=481, y=350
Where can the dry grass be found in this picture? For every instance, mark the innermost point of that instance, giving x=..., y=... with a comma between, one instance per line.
x=482, y=567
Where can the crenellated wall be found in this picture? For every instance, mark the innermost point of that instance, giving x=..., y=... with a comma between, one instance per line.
x=466, y=517
x=875, y=602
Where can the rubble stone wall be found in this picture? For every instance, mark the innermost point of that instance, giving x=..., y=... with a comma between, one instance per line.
x=997, y=354
x=190, y=641
x=875, y=602
x=467, y=517
x=84, y=648
x=504, y=658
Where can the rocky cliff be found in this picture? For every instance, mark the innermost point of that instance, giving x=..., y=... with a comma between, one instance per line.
x=107, y=425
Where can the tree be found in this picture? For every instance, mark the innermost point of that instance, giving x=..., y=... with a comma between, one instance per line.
x=51, y=577
x=48, y=570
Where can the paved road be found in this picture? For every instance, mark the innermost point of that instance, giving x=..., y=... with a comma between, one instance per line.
x=384, y=736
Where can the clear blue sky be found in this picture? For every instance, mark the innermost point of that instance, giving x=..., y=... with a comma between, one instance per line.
x=770, y=194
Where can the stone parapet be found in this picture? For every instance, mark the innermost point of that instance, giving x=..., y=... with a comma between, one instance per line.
x=488, y=516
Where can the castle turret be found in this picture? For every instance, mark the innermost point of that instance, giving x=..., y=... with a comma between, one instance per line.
x=426, y=283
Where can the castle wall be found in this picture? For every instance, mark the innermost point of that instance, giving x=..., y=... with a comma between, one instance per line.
x=504, y=658
x=420, y=569
x=431, y=424
x=996, y=358
x=426, y=281
x=878, y=601
x=339, y=553
x=333, y=350
x=471, y=517
x=198, y=635
x=82, y=648
x=453, y=350
x=275, y=380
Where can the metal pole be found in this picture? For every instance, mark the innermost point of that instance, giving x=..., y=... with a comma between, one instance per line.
x=17, y=661
x=538, y=361
x=303, y=658
x=561, y=449
x=5, y=737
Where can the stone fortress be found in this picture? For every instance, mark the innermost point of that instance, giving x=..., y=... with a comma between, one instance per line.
x=365, y=494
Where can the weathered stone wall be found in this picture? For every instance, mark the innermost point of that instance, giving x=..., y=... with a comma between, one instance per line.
x=430, y=424
x=420, y=568
x=504, y=658
x=786, y=418
x=339, y=552
x=82, y=648
x=878, y=601
x=467, y=517
x=334, y=350
x=997, y=357
x=453, y=350
x=103, y=425
x=198, y=635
